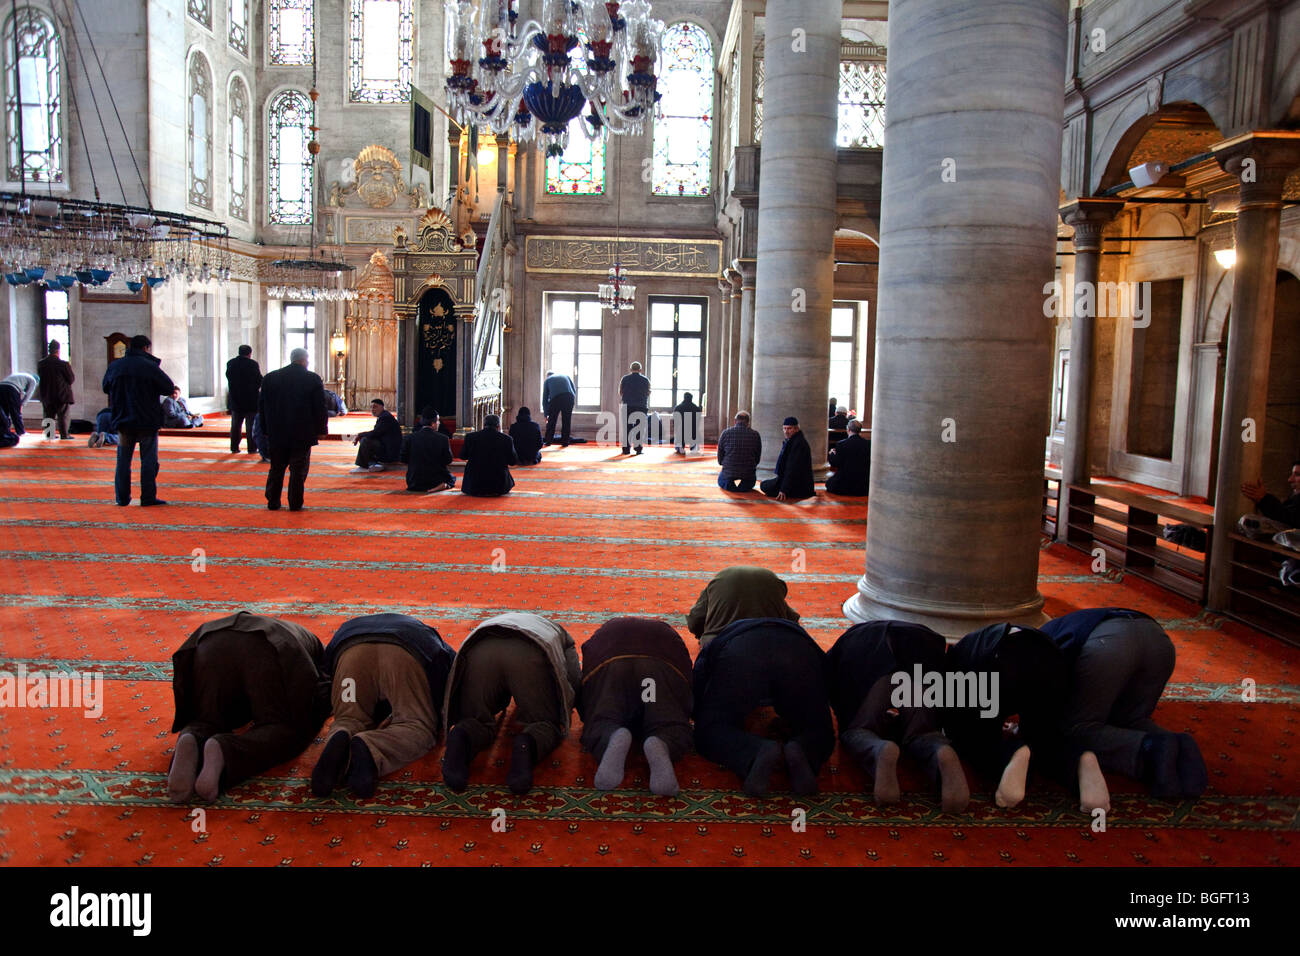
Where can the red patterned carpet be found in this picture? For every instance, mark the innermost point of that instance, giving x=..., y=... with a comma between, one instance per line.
x=585, y=536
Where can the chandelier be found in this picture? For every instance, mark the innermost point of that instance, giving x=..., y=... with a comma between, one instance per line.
x=617, y=294
x=307, y=278
x=531, y=79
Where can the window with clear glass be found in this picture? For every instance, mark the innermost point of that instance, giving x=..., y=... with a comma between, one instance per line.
x=676, y=363
x=56, y=323
x=290, y=32
x=300, y=327
x=576, y=344
x=201, y=11
x=382, y=40
x=844, y=354
x=683, y=132
x=32, y=98
x=200, y=132
x=238, y=36
x=579, y=171
x=289, y=169
x=238, y=149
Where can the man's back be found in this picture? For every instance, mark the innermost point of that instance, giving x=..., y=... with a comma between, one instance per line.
x=527, y=437
x=134, y=383
x=244, y=376
x=56, y=378
x=739, y=450
x=634, y=390
x=555, y=386
x=292, y=406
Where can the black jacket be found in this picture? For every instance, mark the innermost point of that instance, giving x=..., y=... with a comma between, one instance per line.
x=706, y=660
x=430, y=454
x=874, y=649
x=528, y=440
x=851, y=460
x=134, y=384
x=389, y=434
x=634, y=390
x=488, y=455
x=56, y=377
x=243, y=378
x=292, y=406
x=794, y=467
x=1287, y=512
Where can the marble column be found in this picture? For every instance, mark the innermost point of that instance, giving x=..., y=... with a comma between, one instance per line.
x=727, y=347
x=1261, y=161
x=1088, y=217
x=745, y=391
x=963, y=362
x=796, y=222
x=726, y=414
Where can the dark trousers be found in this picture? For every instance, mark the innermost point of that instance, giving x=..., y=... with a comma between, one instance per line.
x=736, y=484
x=772, y=487
x=240, y=419
x=636, y=426
x=11, y=400
x=298, y=461
x=561, y=407
x=237, y=680
x=756, y=668
x=918, y=730
x=841, y=483
x=370, y=451
x=127, y=439
x=60, y=415
x=1118, y=678
x=497, y=668
x=612, y=697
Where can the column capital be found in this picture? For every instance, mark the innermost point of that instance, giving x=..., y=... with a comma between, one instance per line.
x=1261, y=161
x=1089, y=217
x=735, y=278
x=748, y=269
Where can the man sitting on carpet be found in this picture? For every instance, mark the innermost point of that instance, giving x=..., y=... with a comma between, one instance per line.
x=334, y=404
x=176, y=414
x=757, y=664
x=388, y=675
x=527, y=437
x=851, y=460
x=521, y=656
x=1118, y=663
x=739, y=450
x=429, y=456
x=734, y=594
x=686, y=425
x=488, y=456
x=231, y=671
x=628, y=660
x=794, y=477
x=381, y=444
x=861, y=668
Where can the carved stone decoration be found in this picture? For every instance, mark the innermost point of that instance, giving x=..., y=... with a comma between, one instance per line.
x=376, y=179
x=1155, y=92
x=435, y=233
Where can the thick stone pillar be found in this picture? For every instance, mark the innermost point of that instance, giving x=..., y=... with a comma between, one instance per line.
x=745, y=391
x=1088, y=217
x=963, y=363
x=1261, y=161
x=796, y=222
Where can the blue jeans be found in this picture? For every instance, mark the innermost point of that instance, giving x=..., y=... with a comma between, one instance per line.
x=736, y=484
x=148, y=442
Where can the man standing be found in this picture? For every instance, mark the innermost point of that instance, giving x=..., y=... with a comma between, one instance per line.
x=134, y=384
x=243, y=381
x=634, y=394
x=558, y=396
x=739, y=450
x=794, y=477
x=851, y=460
x=56, y=378
x=430, y=454
x=382, y=443
x=1287, y=512
x=488, y=455
x=292, y=409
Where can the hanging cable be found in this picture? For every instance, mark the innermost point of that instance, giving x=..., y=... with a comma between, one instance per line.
x=108, y=146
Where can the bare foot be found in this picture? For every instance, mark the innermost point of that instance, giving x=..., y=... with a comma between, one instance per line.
x=1011, y=788
x=1093, y=793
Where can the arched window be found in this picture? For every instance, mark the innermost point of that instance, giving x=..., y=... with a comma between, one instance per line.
x=200, y=131
x=683, y=134
x=32, y=92
x=238, y=153
x=238, y=36
x=290, y=32
x=201, y=11
x=381, y=40
x=289, y=171
x=580, y=171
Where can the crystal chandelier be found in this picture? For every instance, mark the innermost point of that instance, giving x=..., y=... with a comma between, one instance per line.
x=617, y=294
x=532, y=81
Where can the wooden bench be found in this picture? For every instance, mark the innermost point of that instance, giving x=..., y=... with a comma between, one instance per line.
x=1255, y=592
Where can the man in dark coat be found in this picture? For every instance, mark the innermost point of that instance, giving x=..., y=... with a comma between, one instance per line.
x=292, y=411
x=740, y=448
x=55, y=389
x=851, y=460
x=1118, y=663
x=381, y=444
x=134, y=384
x=527, y=437
x=429, y=456
x=1270, y=506
x=794, y=476
x=736, y=593
x=558, y=397
x=763, y=663
x=8, y=437
x=634, y=394
x=238, y=669
x=686, y=425
x=243, y=383
x=388, y=673
x=488, y=456
x=874, y=723
x=636, y=685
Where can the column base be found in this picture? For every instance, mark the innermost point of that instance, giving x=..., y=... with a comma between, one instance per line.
x=952, y=621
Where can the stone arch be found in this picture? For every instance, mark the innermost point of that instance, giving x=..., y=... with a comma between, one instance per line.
x=1112, y=151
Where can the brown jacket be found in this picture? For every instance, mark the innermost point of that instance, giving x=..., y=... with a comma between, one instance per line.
x=56, y=377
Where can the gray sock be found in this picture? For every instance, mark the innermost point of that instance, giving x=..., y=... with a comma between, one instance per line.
x=953, y=789
x=885, y=787
x=208, y=786
x=610, y=772
x=185, y=765
x=758, y=782
x=663, y=781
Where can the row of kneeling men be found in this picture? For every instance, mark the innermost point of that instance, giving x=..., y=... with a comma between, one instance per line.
x=1077, y=696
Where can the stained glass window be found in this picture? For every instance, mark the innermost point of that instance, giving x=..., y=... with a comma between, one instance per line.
x=201, y=10
x=238, y=153
x=289, y=170
x=580, y=171
x=683, y=134
x=381, y=41
x=35, y=76
x=290, y=32
x=200, y=132
x=862, y=96
x=238, y=37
